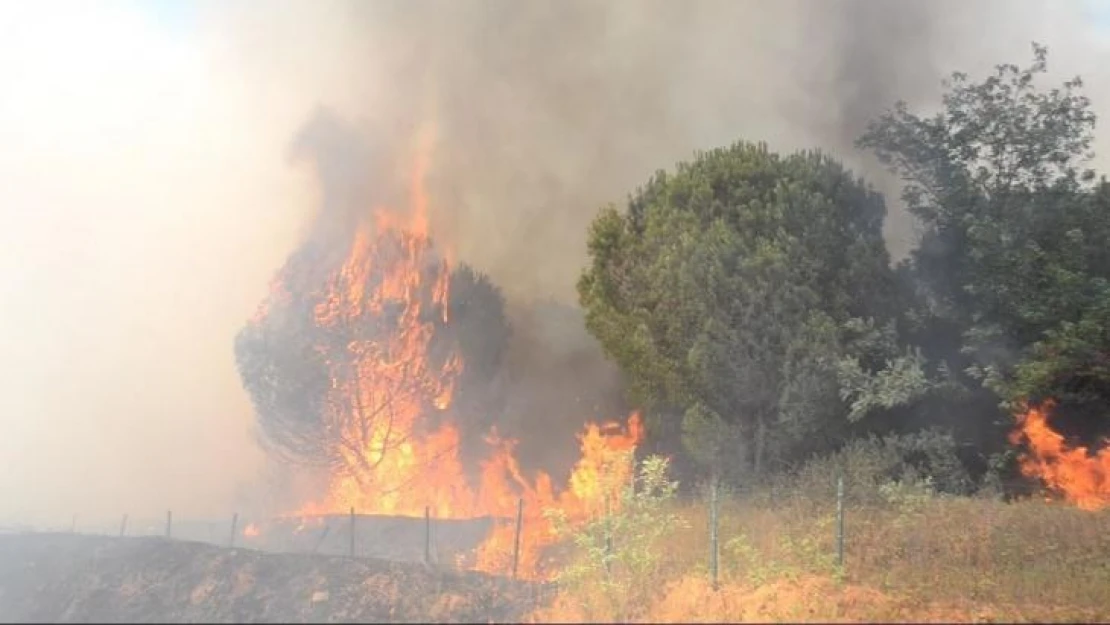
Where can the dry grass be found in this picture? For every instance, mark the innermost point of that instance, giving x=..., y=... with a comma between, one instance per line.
x=914, y=558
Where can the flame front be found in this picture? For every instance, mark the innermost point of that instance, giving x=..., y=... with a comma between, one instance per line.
x=384, y=303
x=1081, y=477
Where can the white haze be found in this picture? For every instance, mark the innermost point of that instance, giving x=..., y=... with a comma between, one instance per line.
x=146, y=197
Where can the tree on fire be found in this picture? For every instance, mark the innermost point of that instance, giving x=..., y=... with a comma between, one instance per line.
x=736, y=294
x=289, y=362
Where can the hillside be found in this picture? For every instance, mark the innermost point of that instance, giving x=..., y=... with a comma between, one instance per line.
x=72, y=578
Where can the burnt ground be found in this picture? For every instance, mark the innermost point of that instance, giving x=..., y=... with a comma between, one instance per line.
x=401, y=538
x=376, y=536
x=74, y=578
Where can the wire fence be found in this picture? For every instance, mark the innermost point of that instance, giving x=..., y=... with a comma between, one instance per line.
x=838, y=527
x=444, y=543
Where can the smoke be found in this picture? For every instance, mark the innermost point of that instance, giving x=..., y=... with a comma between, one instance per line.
x=544, y=111
x=149, y=194
x=145, y=205
x=547, y=110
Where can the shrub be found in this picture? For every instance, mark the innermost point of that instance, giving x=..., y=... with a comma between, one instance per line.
x=618, y=552
x=867, y=464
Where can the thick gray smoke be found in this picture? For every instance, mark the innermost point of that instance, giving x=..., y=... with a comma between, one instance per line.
x=546, y=110
x=148, y=198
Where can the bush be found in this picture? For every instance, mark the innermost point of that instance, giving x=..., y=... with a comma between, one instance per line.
x=619, y=551
x=869, y=464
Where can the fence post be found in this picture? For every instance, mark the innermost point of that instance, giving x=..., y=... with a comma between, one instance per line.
x=123, y=526
x=427, y=534
x=169, y=523
x=516, y=539
x=352, y=531
x=608, y=535
x=73, y=525
x=234, y=522
x=320, y=540
x=713, y=532
x=840, y=521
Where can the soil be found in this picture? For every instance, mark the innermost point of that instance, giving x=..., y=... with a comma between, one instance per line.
x=80, y=578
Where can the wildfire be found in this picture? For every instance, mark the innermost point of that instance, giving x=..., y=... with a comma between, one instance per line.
x=388, y=456
x=1082, y=477
x=251, y=531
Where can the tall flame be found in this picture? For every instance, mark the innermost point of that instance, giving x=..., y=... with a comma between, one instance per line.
x=1080, y=476
x=388, y=456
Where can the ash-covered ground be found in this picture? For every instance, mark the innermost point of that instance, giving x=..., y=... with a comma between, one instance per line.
x=59, y=577
x=397, y=538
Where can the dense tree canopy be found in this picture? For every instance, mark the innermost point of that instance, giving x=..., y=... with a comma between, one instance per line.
x=749, y=300
x=729, y=291
x=1011, y=274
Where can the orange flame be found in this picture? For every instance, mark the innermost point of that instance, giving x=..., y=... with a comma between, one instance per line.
x=1081, y=477
x=251, y=531
x=604, y=468
x=388, y=458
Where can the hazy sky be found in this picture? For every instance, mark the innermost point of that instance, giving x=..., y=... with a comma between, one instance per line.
x=146, y=199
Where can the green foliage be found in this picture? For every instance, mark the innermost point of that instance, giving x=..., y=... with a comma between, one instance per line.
x=908, y=496
x=619, y=549
x=1071, y=363
x=900, y=381
x=871, y=464
x=710, y=440
x=721, y=291
x=1012, y=269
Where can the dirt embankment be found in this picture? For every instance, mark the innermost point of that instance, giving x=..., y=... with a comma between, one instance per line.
x=72, y=578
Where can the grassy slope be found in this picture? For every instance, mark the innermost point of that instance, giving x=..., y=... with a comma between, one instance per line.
x=916, y=558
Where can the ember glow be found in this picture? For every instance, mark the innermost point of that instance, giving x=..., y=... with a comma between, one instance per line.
x=386, y=432
x=1081, y=476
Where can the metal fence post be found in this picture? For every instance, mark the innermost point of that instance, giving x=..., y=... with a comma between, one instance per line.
x=352, y=548
x=840, y=521
x=427, y=534
x=608, y=535
x=320, y=540
x=713, y=533
x=516, y=538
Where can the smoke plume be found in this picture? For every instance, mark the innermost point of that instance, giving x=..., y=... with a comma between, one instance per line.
x=149, y=197
x=544, y=111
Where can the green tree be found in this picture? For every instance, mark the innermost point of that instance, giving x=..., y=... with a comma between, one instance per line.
x=722, y=291
x=1010, y=277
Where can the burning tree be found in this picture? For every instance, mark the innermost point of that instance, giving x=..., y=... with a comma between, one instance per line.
x=375, y=360
x=344, y=357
